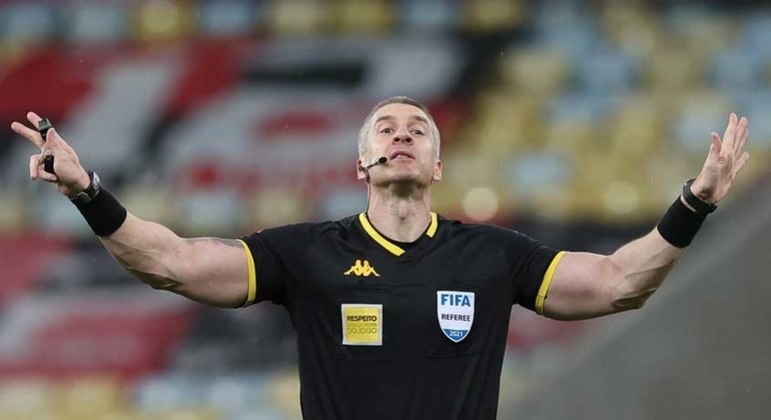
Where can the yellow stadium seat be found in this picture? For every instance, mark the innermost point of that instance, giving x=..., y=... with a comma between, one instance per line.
x=369, y=17
x=190, y=413
x=675, y=69
x=504, y=123
x=284, y=391
x=124, y=414
x=492, y=15
x=149, y=202
x=297, y=17
x=534, y=71
x=276, y=206
x=573, y=137
x=631, y=26
x=90, y=397
x=709, y=34
x=163, y=20
x=13, y=210
x=635, y=127
x=26, y=398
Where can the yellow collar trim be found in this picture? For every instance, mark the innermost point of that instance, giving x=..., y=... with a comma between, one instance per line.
x=432, y=227
x=385, y=243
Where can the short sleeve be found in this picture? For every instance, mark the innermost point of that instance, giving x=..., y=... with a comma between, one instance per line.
x=267, y=275
x=533, y=264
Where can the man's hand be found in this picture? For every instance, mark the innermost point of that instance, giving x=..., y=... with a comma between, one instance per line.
x=70, y=177
x=725, y=159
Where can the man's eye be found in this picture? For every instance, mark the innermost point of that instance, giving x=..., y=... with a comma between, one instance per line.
x=417, y=132
x=387, y=130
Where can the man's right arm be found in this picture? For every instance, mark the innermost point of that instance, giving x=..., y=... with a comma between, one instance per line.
x=207, y=270
x=213, y=271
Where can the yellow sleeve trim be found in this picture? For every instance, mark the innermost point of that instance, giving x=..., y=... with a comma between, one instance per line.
x=544, y=290
x=252, y=294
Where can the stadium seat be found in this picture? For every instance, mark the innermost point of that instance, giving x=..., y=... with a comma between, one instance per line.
x=25, y=394
x=636, y=126
x=374, y=17
x=757, y=106
x=607, y=72
x=275, y=207
x=567, y=27
x=630, y=26
x=756, y=33
x=159, y=21
x=12, y=212
x=483, y=16
x=293, y=18
x=505, y=123
x=737, y=68
x=535, y=71
x=701, y=112
x=149, y=202
x=674, y=70
x=90, y=397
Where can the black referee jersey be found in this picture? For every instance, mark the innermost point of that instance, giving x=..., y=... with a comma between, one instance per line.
x=388, y=330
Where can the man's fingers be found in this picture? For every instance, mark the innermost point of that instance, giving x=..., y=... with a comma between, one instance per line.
x=48, y=177
x=54, y=136
x=741, y=162
x=28, y=133
x=741, y=129
x=714, y=147
x=56, y=141
x=41, y=172
x=730, y=130
x=34, y=163
x=742, y=140
x=52, y=139
x=34, y=119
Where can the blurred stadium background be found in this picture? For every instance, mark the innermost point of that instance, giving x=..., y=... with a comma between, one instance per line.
x=575, y=122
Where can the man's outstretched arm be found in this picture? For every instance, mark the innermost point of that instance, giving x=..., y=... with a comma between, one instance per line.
x=213, y=271
x=586, y=285
x=208, y=270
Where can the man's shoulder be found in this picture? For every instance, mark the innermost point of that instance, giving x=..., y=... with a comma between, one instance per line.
x=311, y=229
x=458, y=227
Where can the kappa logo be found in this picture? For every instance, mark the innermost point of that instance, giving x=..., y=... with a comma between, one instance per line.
x=361, y=269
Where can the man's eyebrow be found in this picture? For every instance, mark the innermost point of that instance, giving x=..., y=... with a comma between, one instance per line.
x=384, y=117
x=421, y=119
x=391, y=117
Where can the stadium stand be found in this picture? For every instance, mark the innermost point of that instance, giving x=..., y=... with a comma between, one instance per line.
x=575, y=124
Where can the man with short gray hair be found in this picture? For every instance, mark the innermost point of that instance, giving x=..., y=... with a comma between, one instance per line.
x=399, y=312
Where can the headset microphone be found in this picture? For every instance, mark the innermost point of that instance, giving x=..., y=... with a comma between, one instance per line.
x=366, y=169
x=380, y=161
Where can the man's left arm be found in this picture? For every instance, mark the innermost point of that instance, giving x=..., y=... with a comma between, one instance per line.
x=586, y=285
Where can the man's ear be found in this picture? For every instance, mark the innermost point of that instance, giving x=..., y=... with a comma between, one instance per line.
x=437, y=176
x=361, y=173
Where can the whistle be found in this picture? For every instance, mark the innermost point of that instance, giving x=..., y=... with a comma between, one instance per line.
x=48, y=161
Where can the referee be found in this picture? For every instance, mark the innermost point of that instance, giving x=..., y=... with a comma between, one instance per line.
x=399, y=312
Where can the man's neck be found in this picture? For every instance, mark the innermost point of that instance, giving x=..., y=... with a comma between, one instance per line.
x=402, y=218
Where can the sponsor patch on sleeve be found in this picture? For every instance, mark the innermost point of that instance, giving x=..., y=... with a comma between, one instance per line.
x=362, y=324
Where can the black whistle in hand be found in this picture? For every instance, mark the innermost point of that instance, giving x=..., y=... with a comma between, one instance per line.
x=48, y=161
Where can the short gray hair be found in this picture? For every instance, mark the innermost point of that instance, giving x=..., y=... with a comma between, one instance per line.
x=367, y=126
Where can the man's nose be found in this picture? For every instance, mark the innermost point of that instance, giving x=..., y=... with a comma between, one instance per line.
x=402, y=137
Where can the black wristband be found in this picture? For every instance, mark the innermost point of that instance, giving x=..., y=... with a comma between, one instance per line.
x=701, y=207
x=680, y=224
x=104, y=213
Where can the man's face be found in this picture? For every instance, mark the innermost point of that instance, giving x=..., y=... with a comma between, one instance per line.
x=402, y=133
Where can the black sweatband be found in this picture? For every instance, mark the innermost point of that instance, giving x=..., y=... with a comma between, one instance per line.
x=104, y=213
x=680, y=224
